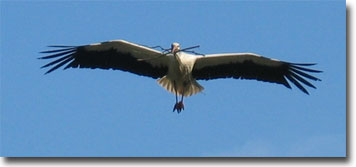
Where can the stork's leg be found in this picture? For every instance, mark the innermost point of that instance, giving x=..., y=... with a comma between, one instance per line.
x=179, y=105
x=182, y=98
x=181, y=101
x=175, y=91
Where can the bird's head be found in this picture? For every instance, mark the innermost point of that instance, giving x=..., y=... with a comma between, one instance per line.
x=175, y=47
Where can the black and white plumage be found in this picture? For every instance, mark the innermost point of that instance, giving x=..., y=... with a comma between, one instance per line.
x=177, y=71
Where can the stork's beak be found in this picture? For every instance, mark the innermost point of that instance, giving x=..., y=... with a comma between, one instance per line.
x=174, y=49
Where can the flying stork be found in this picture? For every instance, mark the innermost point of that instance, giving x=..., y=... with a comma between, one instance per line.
x=176, y=69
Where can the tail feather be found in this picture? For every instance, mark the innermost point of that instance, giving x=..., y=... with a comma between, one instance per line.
x=193, y=88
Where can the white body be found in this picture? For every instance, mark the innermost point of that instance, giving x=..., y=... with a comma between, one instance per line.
x=180, y=75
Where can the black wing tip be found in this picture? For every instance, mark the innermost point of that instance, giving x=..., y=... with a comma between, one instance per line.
x=65, y=54
x=307, y=93
x=287, y=85
x=303, y=64
x=298, y=74
x=64, y=48
x=49, y=71
x=59, y=52
x=298, y=66
x=304, y=91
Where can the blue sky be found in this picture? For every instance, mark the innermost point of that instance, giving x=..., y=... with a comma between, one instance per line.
x=82, y=112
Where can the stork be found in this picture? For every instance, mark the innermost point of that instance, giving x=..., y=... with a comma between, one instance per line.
x=177, y=70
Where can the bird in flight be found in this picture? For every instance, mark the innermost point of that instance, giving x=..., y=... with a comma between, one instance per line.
x=178, y=70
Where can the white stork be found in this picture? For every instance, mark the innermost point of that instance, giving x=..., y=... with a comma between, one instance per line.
x=176, y=70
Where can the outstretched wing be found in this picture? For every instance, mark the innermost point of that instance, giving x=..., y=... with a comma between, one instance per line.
x=253, y=66
x=116, y=54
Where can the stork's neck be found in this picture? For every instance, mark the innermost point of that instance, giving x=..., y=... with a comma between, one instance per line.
x=178, y=57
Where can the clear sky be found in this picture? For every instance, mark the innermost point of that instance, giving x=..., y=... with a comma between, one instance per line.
x=82, y=112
